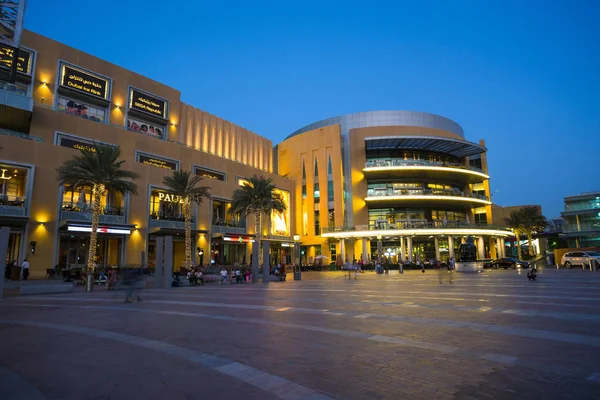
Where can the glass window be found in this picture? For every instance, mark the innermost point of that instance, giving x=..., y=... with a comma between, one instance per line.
x=332, y=251
x=81, y=200
x=17, y=87
x=303, y=191
x=165, y=205
x=330, y=191
x=13, y=182
x=317, y=224
x=145, y=127
x=223, y=216
x=316, y=193
x=81, y=109
x=331, y=219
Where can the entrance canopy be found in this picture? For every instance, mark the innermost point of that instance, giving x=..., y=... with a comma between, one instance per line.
x=455, y=147
x=474, y=231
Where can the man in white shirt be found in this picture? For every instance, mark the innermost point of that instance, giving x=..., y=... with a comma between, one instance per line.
x=25, y=267
x=223, y=275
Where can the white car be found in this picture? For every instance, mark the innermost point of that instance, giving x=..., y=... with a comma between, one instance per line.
x=582, y=258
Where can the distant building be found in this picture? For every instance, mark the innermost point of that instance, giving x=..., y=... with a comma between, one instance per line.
x=499, y=213
x=582, y=220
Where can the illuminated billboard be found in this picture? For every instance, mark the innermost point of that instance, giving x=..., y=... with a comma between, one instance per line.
x=280, y=222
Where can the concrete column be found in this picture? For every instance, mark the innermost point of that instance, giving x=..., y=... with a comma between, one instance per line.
x=158, y=273
x=168, y=262
x=402, y=250
x=266, y=262
x=481, y=248
x=436, y=241
x=365, y=252
x=499, y=247
x=343, y=250
x=502, y=248
x=255, y=262
x=4, y=234
x=451, y=246
x=379, y=250
x=410, y=249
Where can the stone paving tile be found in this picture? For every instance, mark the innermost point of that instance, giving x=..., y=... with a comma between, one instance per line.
x=342, y=366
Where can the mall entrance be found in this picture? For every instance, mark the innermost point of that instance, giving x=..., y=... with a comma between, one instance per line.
x=74, y=247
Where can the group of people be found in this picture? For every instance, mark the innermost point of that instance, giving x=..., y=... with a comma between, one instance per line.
x=195, y=276
x=23, y=271
x=234, y=276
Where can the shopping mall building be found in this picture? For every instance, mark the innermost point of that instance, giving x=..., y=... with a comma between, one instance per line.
x=388, y=184
x=64, y=100
x=391, y=185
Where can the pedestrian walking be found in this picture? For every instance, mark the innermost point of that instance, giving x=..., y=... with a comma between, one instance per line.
x=223, y=275
x=441, y=271
x=356, y=268
x=132, y=277
x=451, y=270
x=238, y=276
x=25, y=267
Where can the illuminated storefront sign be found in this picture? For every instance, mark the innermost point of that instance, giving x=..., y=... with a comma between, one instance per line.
x=23, y=62
x=157, y=162
x=3, y=175
x=171, y=198
x=280, y=222
x=146, y=103
x=238, y=239
x=77, y=144
x=84, y=82
x=101, y=229
x=210, y=174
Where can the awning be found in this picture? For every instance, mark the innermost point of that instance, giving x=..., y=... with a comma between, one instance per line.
x=455, y=147
x=13, y=221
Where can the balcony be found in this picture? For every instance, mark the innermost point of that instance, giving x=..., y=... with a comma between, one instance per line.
x=583, y=228
x=430, y=196
x=110, y=215
x=168, y=221
x=219, y=226
x=16, y=108
x=422, y=169
x=13, y=206
x=419, y=228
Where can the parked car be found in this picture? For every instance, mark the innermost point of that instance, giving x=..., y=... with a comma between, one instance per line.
x=582, y=258
x=487, y=262
x=509, y=262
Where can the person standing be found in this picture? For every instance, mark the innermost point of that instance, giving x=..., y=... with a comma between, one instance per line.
x=450, y=269
x=25, y=267
x=199, y=277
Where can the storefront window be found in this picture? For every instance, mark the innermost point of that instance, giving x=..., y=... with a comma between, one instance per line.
x=13, y=185
x=223, y=216
x=17, y=87
x=80, y=109
x=166, y=206
x=81, y=201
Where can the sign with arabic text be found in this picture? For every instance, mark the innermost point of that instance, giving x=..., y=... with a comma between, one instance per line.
x=84, y=82
x=146, y=103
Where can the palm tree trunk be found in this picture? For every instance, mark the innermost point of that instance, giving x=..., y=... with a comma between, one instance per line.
x=518, y=245
x=97, y=191
x=530, y=242
x=258, y=232
x=187, y=212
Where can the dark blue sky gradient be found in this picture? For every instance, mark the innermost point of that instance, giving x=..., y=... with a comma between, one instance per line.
x=523, y=75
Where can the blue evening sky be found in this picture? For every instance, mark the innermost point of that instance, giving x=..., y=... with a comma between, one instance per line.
x=523, y=75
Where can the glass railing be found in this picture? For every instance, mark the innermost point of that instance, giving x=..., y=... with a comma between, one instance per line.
x=229, y=224
x=415, y=225
x=12, y=201
x=583, y=227
x=87, y=208
x=383, y=192
x=409, y=163
x=20, y=135
x=169, y=217
x=590, y=205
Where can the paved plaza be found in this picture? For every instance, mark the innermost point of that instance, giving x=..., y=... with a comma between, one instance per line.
x=489, y=335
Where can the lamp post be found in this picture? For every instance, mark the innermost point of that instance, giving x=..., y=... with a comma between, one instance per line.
x=297, y=258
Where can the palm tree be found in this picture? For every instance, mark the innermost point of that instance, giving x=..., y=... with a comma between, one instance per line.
x=516, y=223
x=184, y=185
x=101, y=170
x=533, y=221
x=257, y=197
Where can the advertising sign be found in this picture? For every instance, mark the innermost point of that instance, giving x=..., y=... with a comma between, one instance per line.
x=157, y=162
x=144, y=127
x=7, y=55
x=146, y=103
x=280, y=222
x=84, y=82
x=210, y=174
